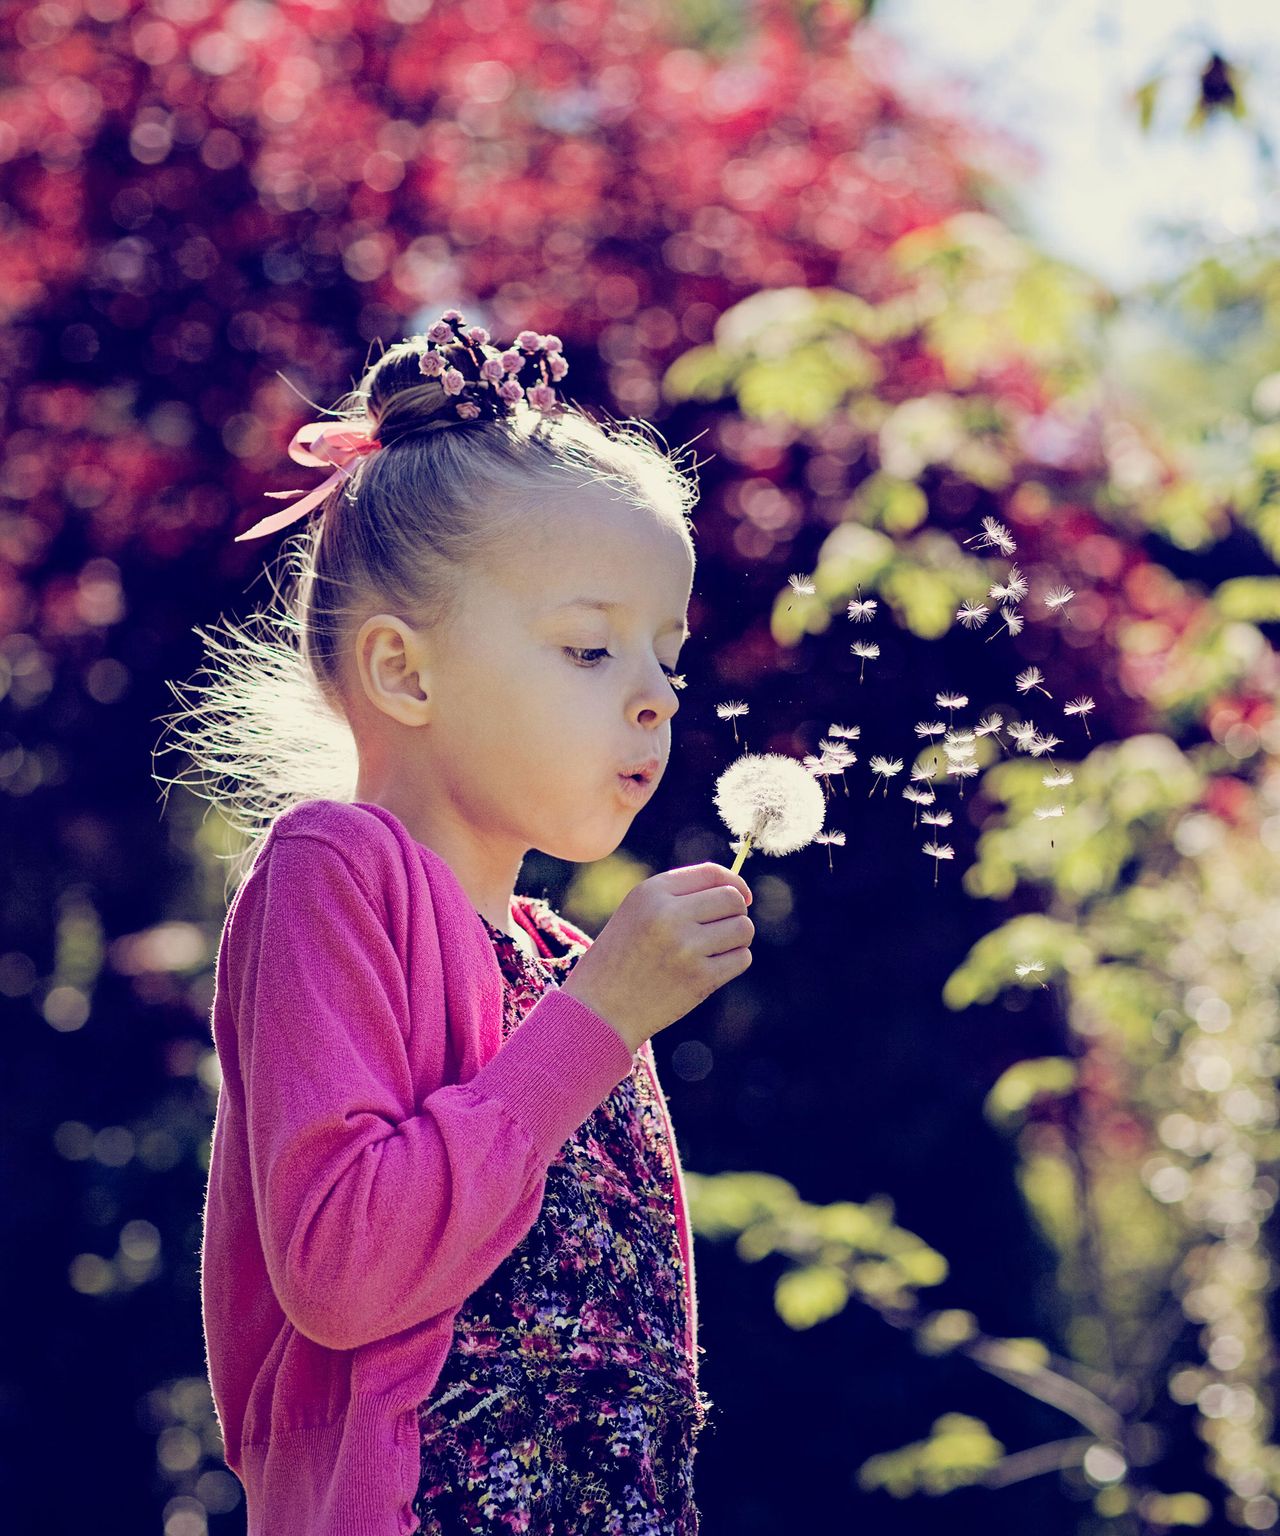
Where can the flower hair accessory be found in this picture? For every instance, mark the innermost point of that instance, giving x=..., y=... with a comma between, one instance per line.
x=479, y=381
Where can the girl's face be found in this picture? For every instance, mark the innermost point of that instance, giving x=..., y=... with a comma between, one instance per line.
x=535, y=699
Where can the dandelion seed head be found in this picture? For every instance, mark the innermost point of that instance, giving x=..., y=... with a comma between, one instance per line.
x=867, y=649
x=939, y=850
x=849, y=732
x=734, y=707
x=1028, y=968
x=972, y=615
x=1013, y=620
x=1057, y=597
x=1047, y=813
x=1031, y=678
x=930, y=728
x=1080, y=706
x=1039, y=745
x=862, y=608
x=802, y=584
x=1056, y=780
x=951, y=700
x=919, y=796
x=937, y=818
x=922, y=771
x=834, y=836
x=886, y=765
x=963, y=768
x=959, y=738
x=773, y=798
x=987, y=726
x=1016, y=582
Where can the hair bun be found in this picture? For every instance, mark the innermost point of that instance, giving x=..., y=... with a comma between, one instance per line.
x=452, y=374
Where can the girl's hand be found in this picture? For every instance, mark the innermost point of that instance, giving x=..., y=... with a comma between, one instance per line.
x=674, y=940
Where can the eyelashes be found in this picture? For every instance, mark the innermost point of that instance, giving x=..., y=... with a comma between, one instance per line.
x=598, y=651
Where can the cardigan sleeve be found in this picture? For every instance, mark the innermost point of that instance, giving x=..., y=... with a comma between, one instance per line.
x=374, y=1212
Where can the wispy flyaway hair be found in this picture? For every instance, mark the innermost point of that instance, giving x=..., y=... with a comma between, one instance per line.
x=271, y=728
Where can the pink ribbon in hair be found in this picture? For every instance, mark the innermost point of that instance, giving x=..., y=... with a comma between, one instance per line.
x=318, y=443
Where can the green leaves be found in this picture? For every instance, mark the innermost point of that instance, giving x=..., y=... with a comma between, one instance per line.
x=1025, y=1081
x=846, y=1250
x=959, y=1450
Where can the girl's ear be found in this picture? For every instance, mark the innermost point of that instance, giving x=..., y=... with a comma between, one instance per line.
x=391, y=658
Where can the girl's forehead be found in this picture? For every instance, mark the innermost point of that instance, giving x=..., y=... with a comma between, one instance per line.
x=618, y=553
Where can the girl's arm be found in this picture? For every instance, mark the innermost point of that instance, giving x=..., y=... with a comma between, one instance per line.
x=375, y=1213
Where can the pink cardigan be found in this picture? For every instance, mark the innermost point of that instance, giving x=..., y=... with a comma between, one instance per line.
x=377, y=1152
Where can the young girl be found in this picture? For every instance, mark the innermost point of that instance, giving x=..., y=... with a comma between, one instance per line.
x=447, y=1273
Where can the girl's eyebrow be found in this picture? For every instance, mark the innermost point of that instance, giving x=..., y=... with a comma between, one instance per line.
x=606, y=604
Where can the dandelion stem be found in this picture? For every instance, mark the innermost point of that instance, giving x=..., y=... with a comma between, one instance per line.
x=743, y=850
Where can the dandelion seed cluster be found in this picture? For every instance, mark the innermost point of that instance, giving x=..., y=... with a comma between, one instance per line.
x=951, y=749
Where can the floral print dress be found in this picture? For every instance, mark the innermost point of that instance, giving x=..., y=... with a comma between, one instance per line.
x=568, y=1403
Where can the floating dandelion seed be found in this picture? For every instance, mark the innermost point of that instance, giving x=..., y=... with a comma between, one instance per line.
x=930, y=728
x=849, y=732
x=1058, y=778
x=1044, y=744
x=1013, y=622
x=937, y=852
x=1016, y=583
x=918, y=797
x=963, y=768
x=995, y=534
x=921, y=774
x=884, y=767
x=1022, y=733
x=951, y=701
x=830, y=837
x=1033, y=677
x=862, y=608
x=730, y=711
x=959, y=739
x=1044, y=813
x=677, y=681
x=868, y=650
x=1080, y=707
x=822, y=767
x=835, y=758
x=802, y=585
x=771, y=802
x=1057, y=598
x=990, y=725
x=938, y=818
x=972, y=615
x=1030, y=968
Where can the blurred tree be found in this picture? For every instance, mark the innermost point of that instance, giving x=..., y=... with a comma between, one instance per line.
x=200, y=199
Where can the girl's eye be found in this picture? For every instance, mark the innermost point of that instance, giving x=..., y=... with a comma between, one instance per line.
x=580, y=653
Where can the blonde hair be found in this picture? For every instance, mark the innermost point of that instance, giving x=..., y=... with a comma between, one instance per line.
x=271, y=728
